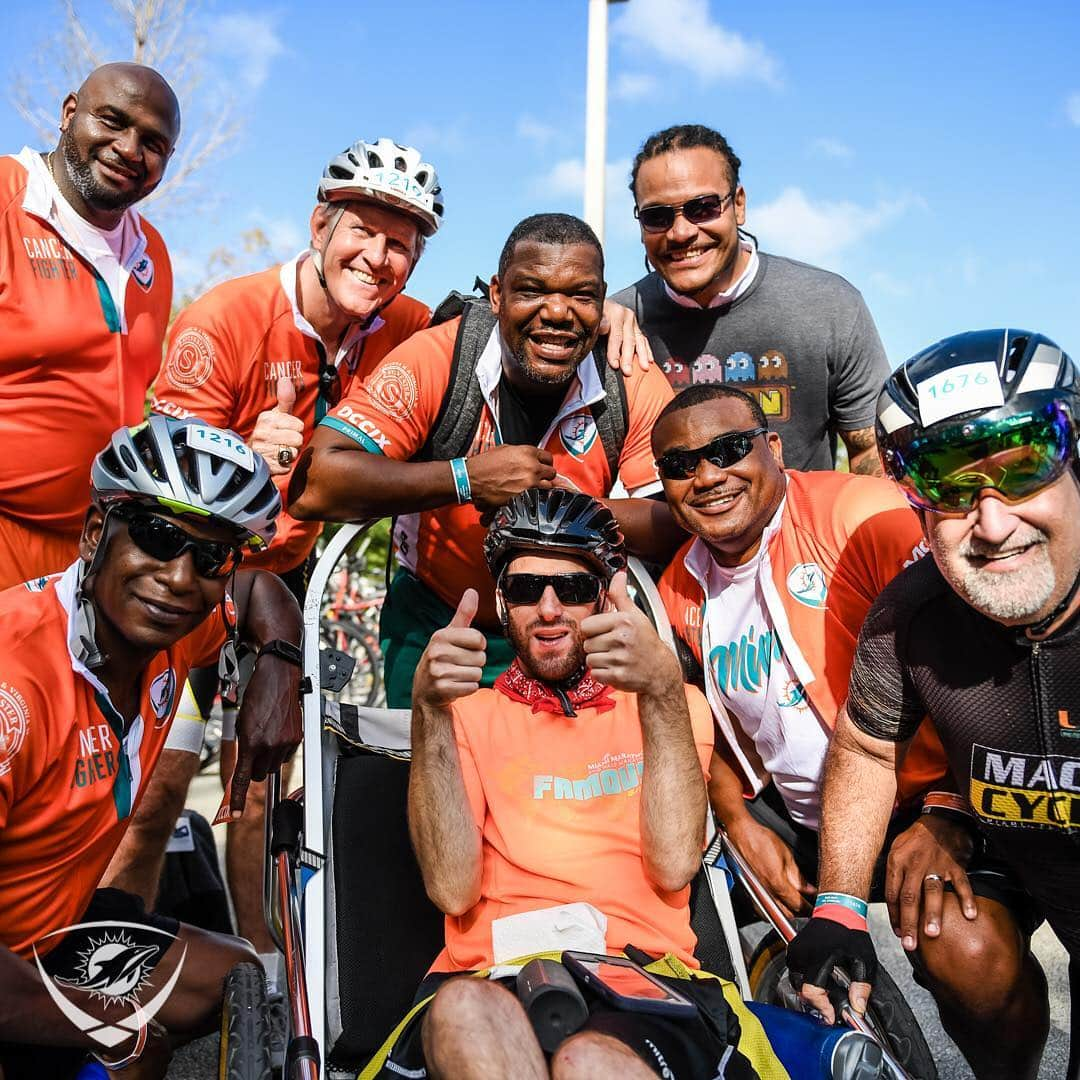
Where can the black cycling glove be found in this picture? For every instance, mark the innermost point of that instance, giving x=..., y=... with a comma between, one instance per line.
x=822, y=944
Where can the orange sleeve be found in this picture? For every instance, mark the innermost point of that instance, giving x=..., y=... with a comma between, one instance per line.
x=470, y=774
x=701, y=720
x=884, y=530
x=679, y=606
x=647, y=393
x=24, y=749
x=393, y=409
x=197, y=377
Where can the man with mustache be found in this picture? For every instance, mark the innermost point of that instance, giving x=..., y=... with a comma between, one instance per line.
x=85, y=304
x=980, y=432
x=716, y=309
x=532, y=417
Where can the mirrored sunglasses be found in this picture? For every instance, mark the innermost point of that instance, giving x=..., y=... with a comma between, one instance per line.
x=163, y=540
x=723, y=452
x=1016, y=456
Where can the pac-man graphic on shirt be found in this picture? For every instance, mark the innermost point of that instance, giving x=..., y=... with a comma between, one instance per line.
x=707, y=369
x=772, y=365
x=740, y=367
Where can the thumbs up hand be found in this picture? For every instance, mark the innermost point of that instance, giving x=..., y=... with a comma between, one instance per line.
x=623, y=650
x=453, y=662
x=278, y=435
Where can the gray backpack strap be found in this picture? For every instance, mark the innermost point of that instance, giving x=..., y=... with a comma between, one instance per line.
x=459, y=417
x=610, y=415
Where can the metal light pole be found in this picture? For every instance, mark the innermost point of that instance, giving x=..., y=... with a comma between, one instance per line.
x=596, y=114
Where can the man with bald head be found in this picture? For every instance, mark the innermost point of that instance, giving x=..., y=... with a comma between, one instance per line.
x=85, y=291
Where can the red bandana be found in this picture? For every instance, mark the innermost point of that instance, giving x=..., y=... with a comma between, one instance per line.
x=587, y=692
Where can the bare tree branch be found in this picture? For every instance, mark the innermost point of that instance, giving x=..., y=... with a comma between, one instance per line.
x=160, y=33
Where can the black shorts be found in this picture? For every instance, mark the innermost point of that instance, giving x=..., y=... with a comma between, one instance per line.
x=674, y=1048
x=23, y=1061
x=990, y=877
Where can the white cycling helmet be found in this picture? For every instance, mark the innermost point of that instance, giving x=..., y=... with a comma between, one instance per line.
x=387, y=172
x=217, y=478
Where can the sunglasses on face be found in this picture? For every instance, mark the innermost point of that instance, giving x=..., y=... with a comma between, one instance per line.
x=1016, y=456
x=699, y=211
x=162, y=540
x=569, y=588
x=723, y=452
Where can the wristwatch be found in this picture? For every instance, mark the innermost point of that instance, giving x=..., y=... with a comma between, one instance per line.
x=286, y=650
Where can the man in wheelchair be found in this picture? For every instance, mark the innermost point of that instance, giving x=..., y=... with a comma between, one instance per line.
x=562, y=808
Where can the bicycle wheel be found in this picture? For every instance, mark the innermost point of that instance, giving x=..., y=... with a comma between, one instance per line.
x=889, y=1012
x=245, y=1026
x=365, y=685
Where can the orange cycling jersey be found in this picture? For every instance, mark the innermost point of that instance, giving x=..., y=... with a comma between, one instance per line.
x=76, y=360
x=228, y=350
x=70, y=776
x=393, y=410
x=557, y=801
x=840, y=541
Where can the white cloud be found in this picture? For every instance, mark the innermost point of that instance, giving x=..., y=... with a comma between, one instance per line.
x=285, y=236
x=566, y=179
x=682, y=33
x=249, y=42
x=1072, y=108
x=535, y=131
x=429, y=138
x=633, y=86
x=792, y=225
x=831, y=148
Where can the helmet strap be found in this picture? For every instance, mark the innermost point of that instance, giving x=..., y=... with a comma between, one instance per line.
x=85, y=635
x=316, y=254
x=1040, y=628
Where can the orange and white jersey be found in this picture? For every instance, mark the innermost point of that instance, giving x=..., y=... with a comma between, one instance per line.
x=70, y=775
x=81, y=332
x=392, y=411
x=228, y=349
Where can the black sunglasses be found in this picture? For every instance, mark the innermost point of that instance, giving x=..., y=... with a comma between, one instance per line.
x=164, y=541
x=569, y=588
x=722, y=452
x=699, y=211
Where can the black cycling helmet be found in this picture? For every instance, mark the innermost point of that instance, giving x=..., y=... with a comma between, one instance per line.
x=553, y=520
x=1019, y=373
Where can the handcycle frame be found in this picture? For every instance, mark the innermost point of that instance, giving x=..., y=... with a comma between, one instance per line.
x=298, y=926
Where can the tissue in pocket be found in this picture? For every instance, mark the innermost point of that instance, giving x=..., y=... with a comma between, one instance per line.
x=568, y=926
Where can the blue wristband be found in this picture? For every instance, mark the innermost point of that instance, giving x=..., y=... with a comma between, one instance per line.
x=853, y=903
x=461, y=480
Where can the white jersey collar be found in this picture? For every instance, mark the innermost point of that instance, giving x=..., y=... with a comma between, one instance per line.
x=728, y=296
x=44, y=200
x=357, y=332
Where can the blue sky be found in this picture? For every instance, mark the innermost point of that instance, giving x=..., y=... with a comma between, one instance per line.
x=928, y=152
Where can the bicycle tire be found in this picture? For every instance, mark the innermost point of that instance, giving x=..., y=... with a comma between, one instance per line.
x=888, y=1008
x=245, y=1026
x=365, y=685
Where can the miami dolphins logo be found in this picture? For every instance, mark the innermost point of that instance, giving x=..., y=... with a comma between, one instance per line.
x=113, y=967
x=807, y=584
x=578, y=433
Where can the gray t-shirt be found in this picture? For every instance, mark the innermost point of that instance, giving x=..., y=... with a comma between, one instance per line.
x=800, y=340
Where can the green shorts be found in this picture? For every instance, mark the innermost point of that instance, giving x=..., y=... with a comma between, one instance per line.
x=411, y=613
